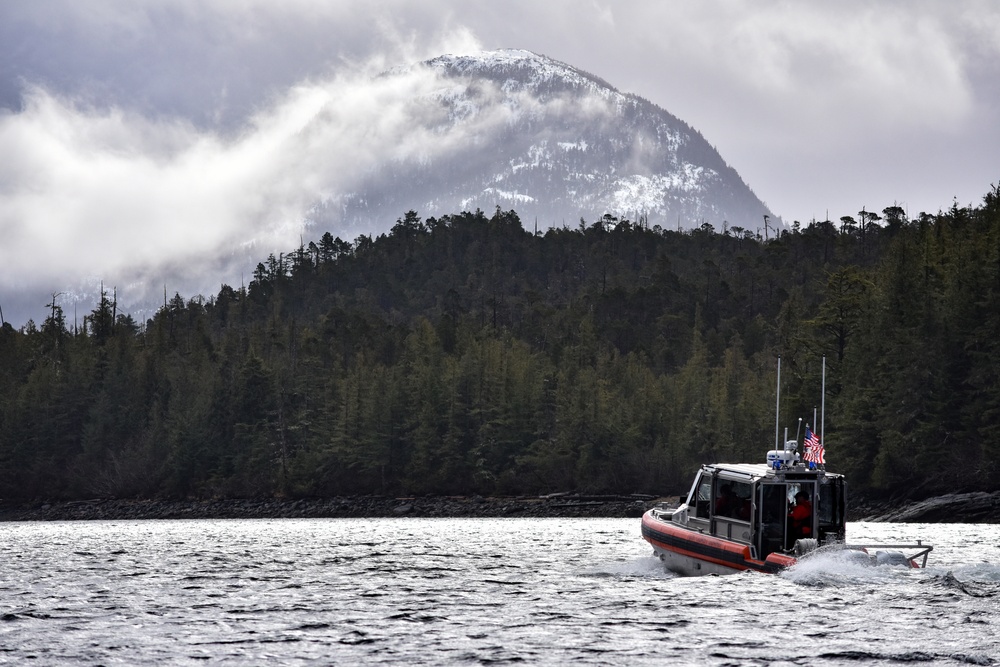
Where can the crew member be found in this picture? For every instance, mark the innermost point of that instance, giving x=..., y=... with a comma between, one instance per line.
x=725, y=504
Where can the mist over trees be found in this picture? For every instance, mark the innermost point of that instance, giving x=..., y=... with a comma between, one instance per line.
x=466, y=355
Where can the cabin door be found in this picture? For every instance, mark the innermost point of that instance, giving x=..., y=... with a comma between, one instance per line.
x=772, y=513
x=775, y=530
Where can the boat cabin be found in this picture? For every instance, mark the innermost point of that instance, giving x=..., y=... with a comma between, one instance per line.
x=766, y=506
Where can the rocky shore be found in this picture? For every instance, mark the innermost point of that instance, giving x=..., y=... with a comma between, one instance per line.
x=975, y=507
x=559, y=505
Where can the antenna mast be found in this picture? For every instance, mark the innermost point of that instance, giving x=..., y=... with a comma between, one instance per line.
x=822, y=413
x=777, y=407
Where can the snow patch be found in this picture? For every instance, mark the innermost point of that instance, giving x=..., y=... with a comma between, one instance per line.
x=538, y=154
x=509, y=196
x=650, y=193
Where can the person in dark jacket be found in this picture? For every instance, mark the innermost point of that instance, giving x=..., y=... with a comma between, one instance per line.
x=727, y=503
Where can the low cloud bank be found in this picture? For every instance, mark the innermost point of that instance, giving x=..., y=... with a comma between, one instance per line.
x=95, y=194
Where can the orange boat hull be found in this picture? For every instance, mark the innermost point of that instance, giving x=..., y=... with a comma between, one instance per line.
x=691, y=552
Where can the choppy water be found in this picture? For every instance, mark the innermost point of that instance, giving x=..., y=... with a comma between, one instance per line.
x=473, y=591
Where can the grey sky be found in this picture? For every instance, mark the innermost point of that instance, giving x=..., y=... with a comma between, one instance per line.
x=138, y=136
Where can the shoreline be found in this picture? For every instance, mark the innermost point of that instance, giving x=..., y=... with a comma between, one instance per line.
x=977, y=507
x=356, y=507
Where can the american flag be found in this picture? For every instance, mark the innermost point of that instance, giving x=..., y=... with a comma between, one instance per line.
x=814, y=450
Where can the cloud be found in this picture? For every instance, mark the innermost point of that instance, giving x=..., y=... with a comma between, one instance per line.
x=211, y=63
x=780, y=61
x=140, y=202
x=173, y=142
x=821, y=106
x=111, y=192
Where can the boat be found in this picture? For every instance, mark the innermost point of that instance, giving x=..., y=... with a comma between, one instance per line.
x=763, y=517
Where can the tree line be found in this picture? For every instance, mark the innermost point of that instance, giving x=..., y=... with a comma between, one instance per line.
x=466, y=355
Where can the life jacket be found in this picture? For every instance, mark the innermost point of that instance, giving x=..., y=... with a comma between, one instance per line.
x=801, y=515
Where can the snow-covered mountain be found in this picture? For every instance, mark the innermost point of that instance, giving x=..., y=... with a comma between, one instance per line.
x=553, y=143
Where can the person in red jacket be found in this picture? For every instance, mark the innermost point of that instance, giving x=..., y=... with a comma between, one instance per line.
x=801, y=516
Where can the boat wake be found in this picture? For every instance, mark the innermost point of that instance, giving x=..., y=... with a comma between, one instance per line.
x=841, y=566
x=977, y=581
x=980, y=572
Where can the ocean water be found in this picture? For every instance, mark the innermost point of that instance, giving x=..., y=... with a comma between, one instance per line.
x=474, y=592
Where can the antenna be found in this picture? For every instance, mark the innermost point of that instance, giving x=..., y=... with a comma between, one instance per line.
x=777, y=407
x=822, y=427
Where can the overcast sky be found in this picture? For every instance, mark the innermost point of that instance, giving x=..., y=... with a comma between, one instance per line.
x=140, y=138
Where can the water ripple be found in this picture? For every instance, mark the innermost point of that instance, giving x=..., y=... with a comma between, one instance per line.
x=491, y=591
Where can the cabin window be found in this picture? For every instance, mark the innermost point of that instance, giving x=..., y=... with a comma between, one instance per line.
x=703, y=498
x=773, y=505
x=831, y=509
x=829, y=505
x=732, y=500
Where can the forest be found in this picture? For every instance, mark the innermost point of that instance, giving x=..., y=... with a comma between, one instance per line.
x=467, y=355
